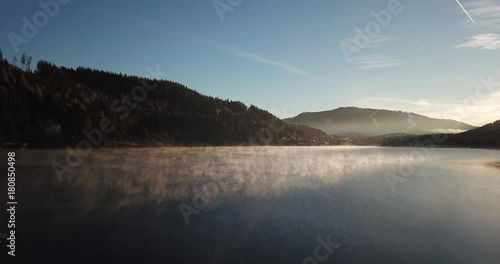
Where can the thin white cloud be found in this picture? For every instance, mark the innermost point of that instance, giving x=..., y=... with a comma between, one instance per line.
x=377, y=41
x=278, y=64
x=252, y=56
x=421, y=102
x=486, y=14
x=489, y=41
x=374, y=62
x=371, y=61
x=284, y=66
x=373, y=41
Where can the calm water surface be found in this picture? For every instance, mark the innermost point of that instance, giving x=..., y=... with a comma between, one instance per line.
x=261, y=205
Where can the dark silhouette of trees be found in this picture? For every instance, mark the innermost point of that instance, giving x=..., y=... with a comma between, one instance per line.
x=487, y=136
x=169, y=112
x=23, y=61
x=28, y=63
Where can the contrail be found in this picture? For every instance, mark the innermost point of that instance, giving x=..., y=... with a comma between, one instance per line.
x=465, y=11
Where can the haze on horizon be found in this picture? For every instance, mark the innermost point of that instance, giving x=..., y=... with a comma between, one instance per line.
x=286, y=56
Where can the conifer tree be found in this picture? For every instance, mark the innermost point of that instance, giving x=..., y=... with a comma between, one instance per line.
x=28, y=63
x=23, y=61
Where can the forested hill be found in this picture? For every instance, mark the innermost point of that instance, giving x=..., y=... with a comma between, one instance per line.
x=487, y=136
x=52, y=106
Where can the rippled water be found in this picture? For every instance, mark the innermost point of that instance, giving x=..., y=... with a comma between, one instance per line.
x=262, y=205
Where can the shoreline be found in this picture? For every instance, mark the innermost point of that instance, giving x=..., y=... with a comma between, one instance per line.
x=496, y=164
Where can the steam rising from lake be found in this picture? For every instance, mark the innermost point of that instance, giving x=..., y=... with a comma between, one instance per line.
x=265, y=204
x=176, y=173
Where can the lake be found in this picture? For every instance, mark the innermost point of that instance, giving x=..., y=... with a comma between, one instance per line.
x=260, y=205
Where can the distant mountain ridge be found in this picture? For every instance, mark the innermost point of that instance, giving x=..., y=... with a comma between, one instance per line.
x=375, y=122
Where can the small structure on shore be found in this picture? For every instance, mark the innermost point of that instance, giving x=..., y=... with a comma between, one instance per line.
x=52, y=128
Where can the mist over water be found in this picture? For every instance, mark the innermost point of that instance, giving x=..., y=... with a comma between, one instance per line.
x=264, y=205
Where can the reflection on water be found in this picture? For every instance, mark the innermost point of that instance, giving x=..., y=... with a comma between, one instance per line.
x=264, y=205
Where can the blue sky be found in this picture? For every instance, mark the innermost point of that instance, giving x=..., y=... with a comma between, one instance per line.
x=285, y=55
